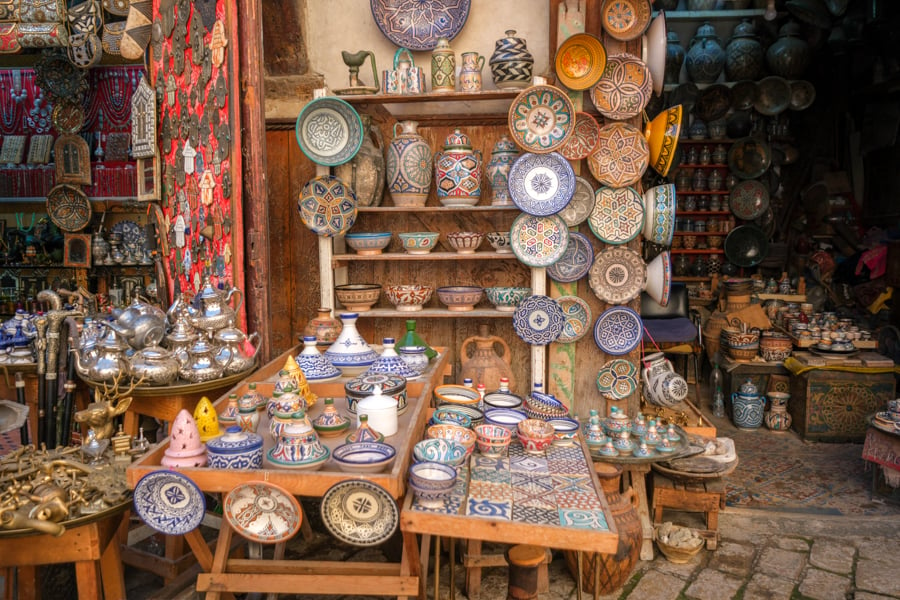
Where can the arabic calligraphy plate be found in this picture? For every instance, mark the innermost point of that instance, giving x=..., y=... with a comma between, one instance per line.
x=262, y=512
x=541, y=184
x=360, y=512
x=327, y=205
x=169, y=502
x=625, y=20
x=419, y=25
x=578, y=319
x=539, y=320
x=748, y=199
x=580, y=206
x=621, y=157
x=539, y=241
x=576, y=260
x=584, y=139
x=329, y=131
x=541, y=119
x=618, y=215
x=618, y=330
x=624, y=89
x=617, y=275
x=580, y=61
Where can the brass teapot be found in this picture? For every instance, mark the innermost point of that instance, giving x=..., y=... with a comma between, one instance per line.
x=231, y=343
x=105, y=361
x=202, y=363
x=209, y=309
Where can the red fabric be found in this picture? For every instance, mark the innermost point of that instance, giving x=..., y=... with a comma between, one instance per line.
x=875, y=260
x=882, y=448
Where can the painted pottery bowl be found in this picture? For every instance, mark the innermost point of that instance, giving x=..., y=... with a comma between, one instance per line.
x=535, y=435
x=418, y=242
x=410, y=297
x=458, y=434
x=506, y=298
x=452, y=393
x=492, y=440
x=465, y=242
x=662, y=137
x=368, y=243
x=500, y=399
x=358, y=297
x=565, y=430
x=449, y=414
x=476, y=416
x=460, y=298
x=431, y=482
x=500, y=241
x=659, y=214
x=507, y=418
x=440, y=450
x=364, y=457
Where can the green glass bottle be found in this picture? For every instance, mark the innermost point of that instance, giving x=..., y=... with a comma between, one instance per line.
x=411, y=338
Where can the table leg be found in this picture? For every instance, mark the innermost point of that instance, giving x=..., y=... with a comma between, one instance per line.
x=27, y=582
x=437, y=567
x=473, y=574
x=87, y=576
x=579, y=555
x=112, y=575
x=452, y=577
x=409, y=561
x=637, y=475
x=200, y=549
x=424, y=554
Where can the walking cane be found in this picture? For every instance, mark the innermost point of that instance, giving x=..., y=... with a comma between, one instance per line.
x=40, y=343
x=20, y=396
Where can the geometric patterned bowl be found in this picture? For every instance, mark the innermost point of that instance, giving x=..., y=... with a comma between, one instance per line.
x=368, y=243
x=447, y=452
x=506, y=298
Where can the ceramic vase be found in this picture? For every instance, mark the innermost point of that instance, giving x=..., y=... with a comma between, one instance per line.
x=457, y=171
x=470, y=72
x=443, y=67
x=365, y=172
x=743, y=54
x=705, y=57
x=481, y=361
x=409, y=165
x=674, y=58
x=503, y=156
x=747, y=410
x=789, y=55
x=414, y=357
x=778, y=419
x=314, y=365
x=511, y=63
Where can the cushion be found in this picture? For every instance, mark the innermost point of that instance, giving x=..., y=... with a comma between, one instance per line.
x=678, y=305
x=680, y=329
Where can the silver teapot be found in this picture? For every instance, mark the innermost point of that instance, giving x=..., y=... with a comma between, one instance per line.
x=141, y=324
x=105, y=361
x=231, y=343
x=155, y=365
x=202, y=363
x=209, y=309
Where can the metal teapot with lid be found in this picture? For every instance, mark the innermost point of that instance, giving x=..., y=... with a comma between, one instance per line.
x=202, y=364
x=154, y=365
x=105, y=361
x=231, y=349
x=141, y=324
x=209, y=309
x=181, y=338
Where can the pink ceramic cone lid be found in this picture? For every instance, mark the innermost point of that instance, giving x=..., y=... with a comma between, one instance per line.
x=184, y=440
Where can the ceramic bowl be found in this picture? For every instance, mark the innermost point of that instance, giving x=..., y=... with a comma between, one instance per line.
x=746, y=246
x=507, y=418
x=368, y=243
x=662, y=137
x=431, y=482
x=358, y=297
x=364, y=457
x=543, y=413
x=659, y=214
x=492, y=440
x=535, y=435
x=654, y=51
x=460, y=298
x=410, y=297
x=440, y=450
x=448, y=414
x=476, y=416
x=547, y=402
x=506, y=299
x=452, y=393
x=500, y=241
x=564, y=431
x=418, y=242
x=445, y=431
x=658, y=284
x=773, y=95
x=465, y=242
x=502, y=400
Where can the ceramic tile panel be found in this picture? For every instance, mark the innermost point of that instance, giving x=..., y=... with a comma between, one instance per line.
x=583, y=519
x=576, y=484
x=529, y=463
x=578, y=500
x=479, y=507
x=486, y=462
x=535, y=514
x=482, y=474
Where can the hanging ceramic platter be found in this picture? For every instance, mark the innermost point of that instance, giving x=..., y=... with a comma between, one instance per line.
x=773, y=96
x=748, y=158
x=625, y=20
x=580, y=206
x=743, y=95
x=578, y=319
x=748, y=200
x=262, y=512
x=169, y=502
x=132, y=234
x=617, y=379
x=746, y=246
x=618, y=330
x=419, y=25
x=360, y=512
x=541, y=119
x=539, y=320
x=538, y=241
x=580, y=61
x=327, y=206
x=617, y=275
x=69, y=208
x=576, y=260
x=803, y=94
x=329, y=131
x=584, y=139
x=621, y=157
x=618, y=215
x=713, y=102
x=624, y=89
x=541, y=184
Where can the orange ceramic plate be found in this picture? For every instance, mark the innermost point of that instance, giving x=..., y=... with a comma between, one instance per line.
x=584, y=138
x=580, y=61
x=625, y=20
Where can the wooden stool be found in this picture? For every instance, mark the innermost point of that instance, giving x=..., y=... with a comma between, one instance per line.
x=691, y=495
x=523, y=571
x=474, y=561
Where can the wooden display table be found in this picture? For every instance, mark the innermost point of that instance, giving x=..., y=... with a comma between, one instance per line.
x=759, y=372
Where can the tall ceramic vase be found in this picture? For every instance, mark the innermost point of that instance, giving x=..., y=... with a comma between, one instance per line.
x=365, y=171
x=457, y=171
x=409, y=165
x=350, y=352
x=503, y=156
x=705, y=57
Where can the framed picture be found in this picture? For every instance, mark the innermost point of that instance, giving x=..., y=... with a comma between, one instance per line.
x=77, y=250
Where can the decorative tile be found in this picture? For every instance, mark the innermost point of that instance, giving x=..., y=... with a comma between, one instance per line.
x=580, y=500
x=576, y=484
x=479, y=461
x=565, y=466
x=529, y=464
x=534, y=514
x=583, y=519
x=451, y=505
x=489, y=490
x=566, y=453
x=534, y=497
x=480, y=507
x=490, y=475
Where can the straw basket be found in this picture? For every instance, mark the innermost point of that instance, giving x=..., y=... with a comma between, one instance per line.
x=678, y=554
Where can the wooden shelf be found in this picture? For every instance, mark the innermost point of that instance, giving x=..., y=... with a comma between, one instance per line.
x=436, y=209
x=690, y=278
x=403, y=256
x=705, y=140
x=431, y=97
x=701, y=233
x=434, y=312
x=712, y=15
x=703, y=213
x=701, y=166
x=696, y=251
x=706, y=193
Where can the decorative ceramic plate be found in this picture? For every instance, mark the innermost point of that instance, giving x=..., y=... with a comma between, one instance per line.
x=624, y=89
x=69, y=208
x=617, y=275
x=541, y=119
x=581, y=204
x=169, y=502
x=418, y=24
x=748, y=158
x=539, y=320
x=803, y=94
x=617, y=379
x=580, y=61
x=360, y=512
x=618, y=330
x=541, y=184
x=621, y=157
x=329, y=131
x=746, y=246
x=327, y=205
x=584, y=139
x=618, y=215
x=625, y=20
x=713, y=102
x=748, y=199
x=133, y=236
x=576, y=260
x=262, y=512
x=743, y=95
x=578, y=319
x=538, y=241
x=773, y=95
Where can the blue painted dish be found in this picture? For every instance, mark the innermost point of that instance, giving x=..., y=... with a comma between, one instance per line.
x=541, y=184
x=169, y=502
x=575, y=262
x=329, y=131
x=618, y=330
x=364, y=457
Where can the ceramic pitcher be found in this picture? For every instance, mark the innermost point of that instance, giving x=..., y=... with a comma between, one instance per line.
x=365, y=171
x=457, y=171
x=470, y=72
x=503, y=156
x=408, y=166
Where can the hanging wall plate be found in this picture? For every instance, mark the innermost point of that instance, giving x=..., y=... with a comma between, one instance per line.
x=419, y=25
x=67, y=117
x=69, y=208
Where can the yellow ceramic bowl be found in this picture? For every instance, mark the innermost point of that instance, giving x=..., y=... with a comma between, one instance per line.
x=662, y=137
x=452, y=393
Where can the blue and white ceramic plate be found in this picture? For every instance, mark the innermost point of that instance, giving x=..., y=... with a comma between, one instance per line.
x=329, y=131
x=618, y=275
x=539, y=241
x=419, y=25
x=539, y=320
x=541, y=119
x=578, y=319
x=541, y=184
x=360, y=512
x=327, y=205
x=618, y=330
x=169, y=502
x=575, y=262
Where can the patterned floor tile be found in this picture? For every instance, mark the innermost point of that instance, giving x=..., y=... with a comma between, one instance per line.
x=529, y=464
x=583, y=519
x=449, y=505
x=487, y=462
x=490, y=475
x=533, y=514
x=481, y=507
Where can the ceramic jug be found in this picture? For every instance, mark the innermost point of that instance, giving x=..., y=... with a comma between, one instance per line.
x=789, y=56
x=365, y=171
x=443, y=67
x=470, y=72
x=405, y=78
x=503, y=156
x=743, y=54
x=323, y=327
x=778, y=419
x=408, y=166
x=457, y=171
x=705, y=57
x=511, y=63
x=674, y=58
x=747, y=406
x=483, y=362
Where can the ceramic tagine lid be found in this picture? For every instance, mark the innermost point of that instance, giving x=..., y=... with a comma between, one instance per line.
x=364, y=433
x=330, y=422
x=258, y=398
x=185, y=448
x=391, y=363
x=234, y=441
x=206, y=420
x=458, y=140
x=748, y=388
x=314, y=365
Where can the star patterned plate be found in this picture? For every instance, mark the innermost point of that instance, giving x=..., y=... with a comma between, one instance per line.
x=617, y=275
x=262, y=512
x=132, y=234
x=624, y=89
x=360, y=512
x=625, y=20
x=539, y=320
x=581, y=204
x=329, y=131
x=576, y=260
x=584, y=138
x=748, y=199
x=538, y=241
x=618, y=215
x=578, y=319
x=169, y=502
x=621, y=157
x=617, y=379
x=541, y=184
x=618, y=330
x=541, y=119
x=419, y=25
x=327, y=205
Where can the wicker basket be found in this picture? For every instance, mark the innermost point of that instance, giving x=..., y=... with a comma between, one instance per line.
x=678, y=554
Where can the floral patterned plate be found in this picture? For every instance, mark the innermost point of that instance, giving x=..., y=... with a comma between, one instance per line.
x=580, y=206
x=169, y=502
x=625, y=20
x=580, y=61
x=617, y=379
x=618, y=215
x=618, y=330
x=621, y=157
x=578, y=319
x=329, y=131
x=327, y=205
x=539, y=320
x=262, y=512
x=575, y=261
x=541, y=184
x=539, y=241
x=748, y=200
x=69, y=208
x=541, y=119
x=584, y=139
x=624, y=89
x=617, y=275
x=360, y=512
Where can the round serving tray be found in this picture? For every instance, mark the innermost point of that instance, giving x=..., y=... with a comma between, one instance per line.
x=166, y=391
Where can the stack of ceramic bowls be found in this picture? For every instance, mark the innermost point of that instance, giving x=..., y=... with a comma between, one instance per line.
x=774, y=346
x=544, y=407
x=738, y=344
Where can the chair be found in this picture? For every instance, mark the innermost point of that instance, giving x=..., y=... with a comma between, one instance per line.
x=674, y=328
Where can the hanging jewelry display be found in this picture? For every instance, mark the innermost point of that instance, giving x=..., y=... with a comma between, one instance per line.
x=39, y=150
x=73, y=159
x=166, y=17
x=38, y=118
x=143, y=121
x=12, y=110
